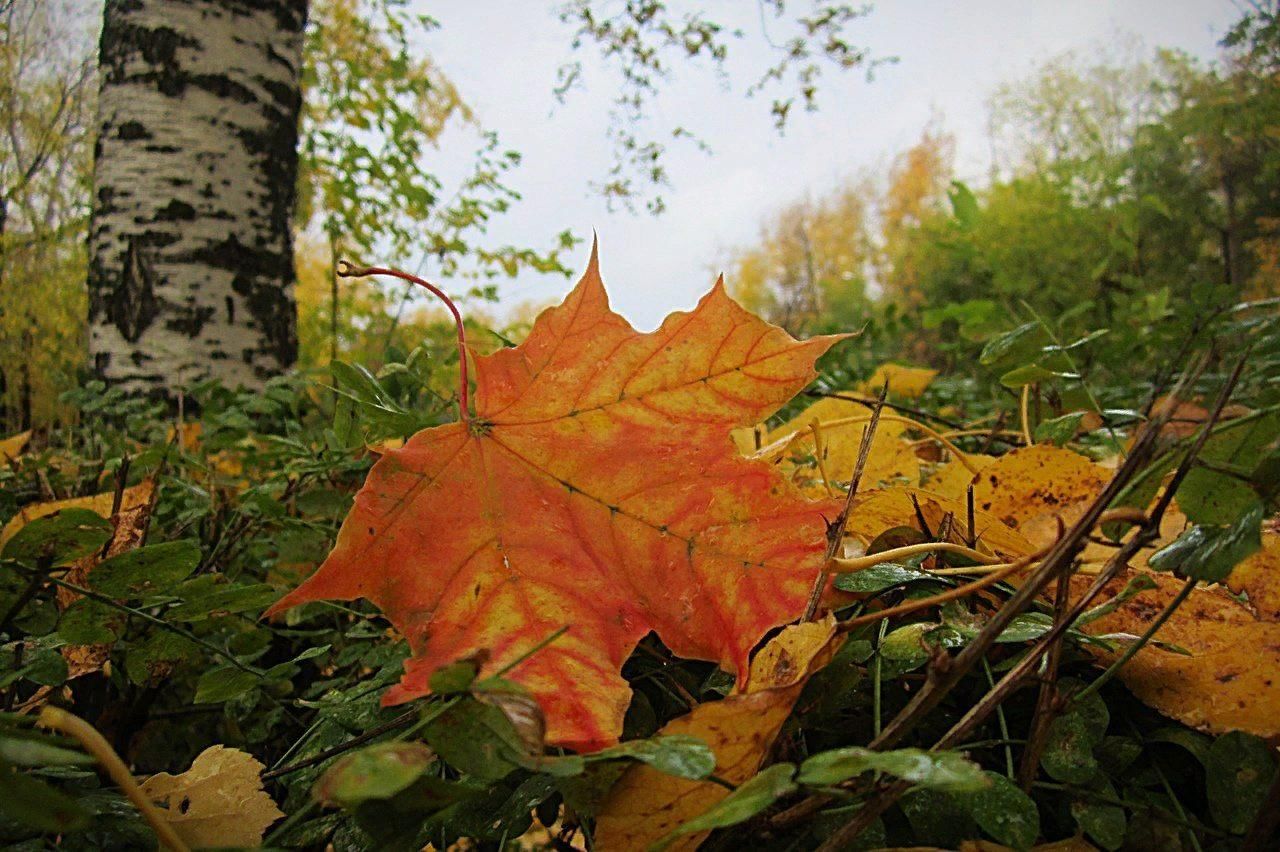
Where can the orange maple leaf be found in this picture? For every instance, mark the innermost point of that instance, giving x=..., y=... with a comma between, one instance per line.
x=595, y=487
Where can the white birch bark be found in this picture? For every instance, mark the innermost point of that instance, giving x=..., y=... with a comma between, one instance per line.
x=191, y=261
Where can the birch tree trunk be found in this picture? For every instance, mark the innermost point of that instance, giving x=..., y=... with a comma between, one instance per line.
x=190, y=252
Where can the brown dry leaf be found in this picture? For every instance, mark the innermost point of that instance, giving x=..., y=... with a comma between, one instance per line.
x=219, y=801
x=130, y=524
x=904, y=381
x=877, y=511
x=646, y=805
x=11, y=448
x=1231, y=681
x=1037, y=480
x=892, y=456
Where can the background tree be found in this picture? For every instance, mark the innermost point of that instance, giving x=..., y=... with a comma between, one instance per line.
x=373, y=114
x=191, y=259
x=46, y=103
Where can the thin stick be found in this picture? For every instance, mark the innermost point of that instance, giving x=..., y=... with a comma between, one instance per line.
x=346, y=270
x=818, y=451
x=57, y=719
x=1142, y=449
x=320, y=757
x=835, y=530
x=940, y=598
x=1026, y=422
x=896, y=406
x=861, y=563
x=1047, y=702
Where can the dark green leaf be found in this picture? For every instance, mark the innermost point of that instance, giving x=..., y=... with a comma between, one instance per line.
x=1238, y=770
x=36, y=804
x=477, y=739
x=944, y=771
x=1059, y=430
x=1210, y=553
x=878, y=578
x=674, y=754
x=58, y=539
x=1003, y=811
x=223, y=684
x=375, y=772
x=1021, y=341
x=146, y=570
x=752, y=797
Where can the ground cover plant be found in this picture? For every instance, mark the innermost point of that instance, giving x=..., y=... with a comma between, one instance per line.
x=710, y=586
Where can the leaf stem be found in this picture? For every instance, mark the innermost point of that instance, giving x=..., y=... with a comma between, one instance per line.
x=57, y=719
x=346, y=270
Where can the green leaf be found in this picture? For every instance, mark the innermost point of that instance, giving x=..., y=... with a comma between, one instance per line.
x=1021, y=341
x=221, y=599
x=1031, y=374
x=877, y=578
x=749, y=799
x=478, y=739
x=223, y=684
x=1209, y=553
x=1104, y=824
x=680, y=755
x=1003, y=811
x=34, y=803
x=1212, y=497
x=1238, y=771
x=937, y=818
x=944, y=771
x=376, y=772
x=1059, y=430
x=155, y=658
x=1026, y=627
x=59, y=538
x=1072, y=737
x=454, y=678
x=88, y=622
x=28, y=748
x=146, y=570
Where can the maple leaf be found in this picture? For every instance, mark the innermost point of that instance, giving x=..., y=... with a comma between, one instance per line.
x=596, y=488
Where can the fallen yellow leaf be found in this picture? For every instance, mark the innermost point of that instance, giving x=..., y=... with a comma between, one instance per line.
x=1037, y=480
x=1259, y=578
x=1231, y=681
x=904, y=381
x=219, y=801
x=646, y=805
x=11, y=448
x=98, y=503
x=891, y=458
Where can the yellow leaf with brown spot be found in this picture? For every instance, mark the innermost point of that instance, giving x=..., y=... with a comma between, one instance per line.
x=1231, y=681
x=101, y=504
x=1037, y=480
x=646, y=805
x=904, y=381
x=219, y=801
x=952, y=480
x=875, y=512
x=11, y=448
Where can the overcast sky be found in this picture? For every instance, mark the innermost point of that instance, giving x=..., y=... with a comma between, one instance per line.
x=503, y=55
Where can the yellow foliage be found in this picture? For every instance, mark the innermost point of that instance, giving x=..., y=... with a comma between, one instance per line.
x=646, y=805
